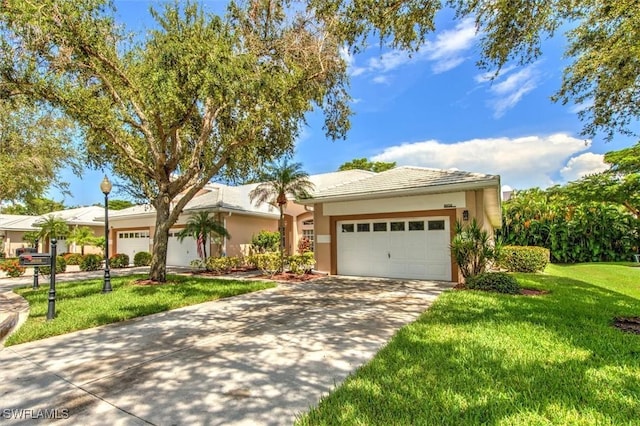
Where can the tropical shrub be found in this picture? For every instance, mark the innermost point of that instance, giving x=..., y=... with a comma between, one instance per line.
x=304, y=245
x=91, y=262
x=301, y=263
x=269, y=263
x=119, y=260
x=142, y=258
x=572, y=229
x=61, y=266
x=197, y=263
x=524, y=258
x=500, y=282
x=473, y=248
x=12, y=268
x=73, y=258
x=265, y=241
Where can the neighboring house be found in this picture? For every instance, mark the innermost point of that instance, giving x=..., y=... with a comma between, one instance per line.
x=13, y=227
x=397, y=223
x=132, y=229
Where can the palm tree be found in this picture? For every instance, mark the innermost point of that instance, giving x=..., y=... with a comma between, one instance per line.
x=82, y=236
x=279, y=182
x=199, y=226
x=52, y=227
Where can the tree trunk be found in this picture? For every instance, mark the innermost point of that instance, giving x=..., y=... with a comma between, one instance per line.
x=158, y=270
x=204, y=246
x=281, y=226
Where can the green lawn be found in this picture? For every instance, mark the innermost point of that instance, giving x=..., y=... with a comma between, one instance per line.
x=81, y=305
x=483, y=358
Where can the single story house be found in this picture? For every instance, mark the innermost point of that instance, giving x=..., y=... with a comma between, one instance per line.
x=13, y=228
x=398, y=223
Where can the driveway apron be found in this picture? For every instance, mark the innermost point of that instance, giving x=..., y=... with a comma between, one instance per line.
x=259, y=358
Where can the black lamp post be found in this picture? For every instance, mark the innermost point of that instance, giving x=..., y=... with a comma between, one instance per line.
x=105, y=187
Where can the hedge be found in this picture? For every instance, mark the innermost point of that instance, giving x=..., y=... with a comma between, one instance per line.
x=524, y=258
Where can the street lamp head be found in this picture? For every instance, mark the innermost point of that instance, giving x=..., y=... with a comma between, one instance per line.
x=105, y=186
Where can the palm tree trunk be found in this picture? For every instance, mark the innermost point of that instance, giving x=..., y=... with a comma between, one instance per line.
x=281, y=226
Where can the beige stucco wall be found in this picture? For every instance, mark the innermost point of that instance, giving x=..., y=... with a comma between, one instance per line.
x=322, y=230
x=12, y=241
x=477, y=210
x=242, y=228
x=396, y=204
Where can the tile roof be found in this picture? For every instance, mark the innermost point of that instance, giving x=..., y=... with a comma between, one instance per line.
x=17, y=222
x=405, y=179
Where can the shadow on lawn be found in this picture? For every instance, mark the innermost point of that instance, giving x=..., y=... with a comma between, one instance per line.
x=579, y=369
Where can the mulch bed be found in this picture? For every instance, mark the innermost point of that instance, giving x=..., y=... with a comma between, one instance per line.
x=289, y=277
x=628, y=324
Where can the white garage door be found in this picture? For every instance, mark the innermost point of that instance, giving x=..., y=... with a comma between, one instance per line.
x=132, y=242
x=181, y=253
x=395, y=248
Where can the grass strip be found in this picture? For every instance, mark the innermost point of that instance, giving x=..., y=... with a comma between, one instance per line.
x=81, y=305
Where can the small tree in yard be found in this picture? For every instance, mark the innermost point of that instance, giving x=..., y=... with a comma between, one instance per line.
x=472, y=248
x=280, y=181
x=82, y=236
x=52, y=227
x=200, y=226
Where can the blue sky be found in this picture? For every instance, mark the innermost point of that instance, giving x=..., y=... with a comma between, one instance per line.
x=436, y=109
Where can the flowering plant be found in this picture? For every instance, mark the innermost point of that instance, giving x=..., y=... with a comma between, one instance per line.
x=12, y=268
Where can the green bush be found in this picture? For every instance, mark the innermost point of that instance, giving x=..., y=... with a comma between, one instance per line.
x=142, y=258
x=500, y=282
x=473, y=248
x=119, y=260
x=61, y=266
x=73, y=258
x=12, y=268
x=269, y=263
x=91, y=262
x=265, y=241
x=524, y=258
x=301, y=263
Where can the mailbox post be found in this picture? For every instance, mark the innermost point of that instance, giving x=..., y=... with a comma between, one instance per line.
x=36, y=260
x=36, y=270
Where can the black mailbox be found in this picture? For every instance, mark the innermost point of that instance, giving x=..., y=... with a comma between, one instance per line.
x=35, y=259
x=26, y=250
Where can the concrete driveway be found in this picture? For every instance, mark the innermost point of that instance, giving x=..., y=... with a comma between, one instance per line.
x=259, y=358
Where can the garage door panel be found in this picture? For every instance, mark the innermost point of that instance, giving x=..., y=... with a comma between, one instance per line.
x=401, y=248
x=181, y=253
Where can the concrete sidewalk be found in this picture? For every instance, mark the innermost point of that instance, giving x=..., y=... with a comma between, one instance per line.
x=259, y=358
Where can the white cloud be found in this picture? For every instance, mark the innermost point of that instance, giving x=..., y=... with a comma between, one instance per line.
x=446, y=52
x=507, y=89
x=389, y=61
x=582, y=165
x=380, y=79
x=521, y=162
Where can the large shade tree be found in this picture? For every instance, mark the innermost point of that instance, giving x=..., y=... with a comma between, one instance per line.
x=280, y=182
x=199, y=96
x=35, y=144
